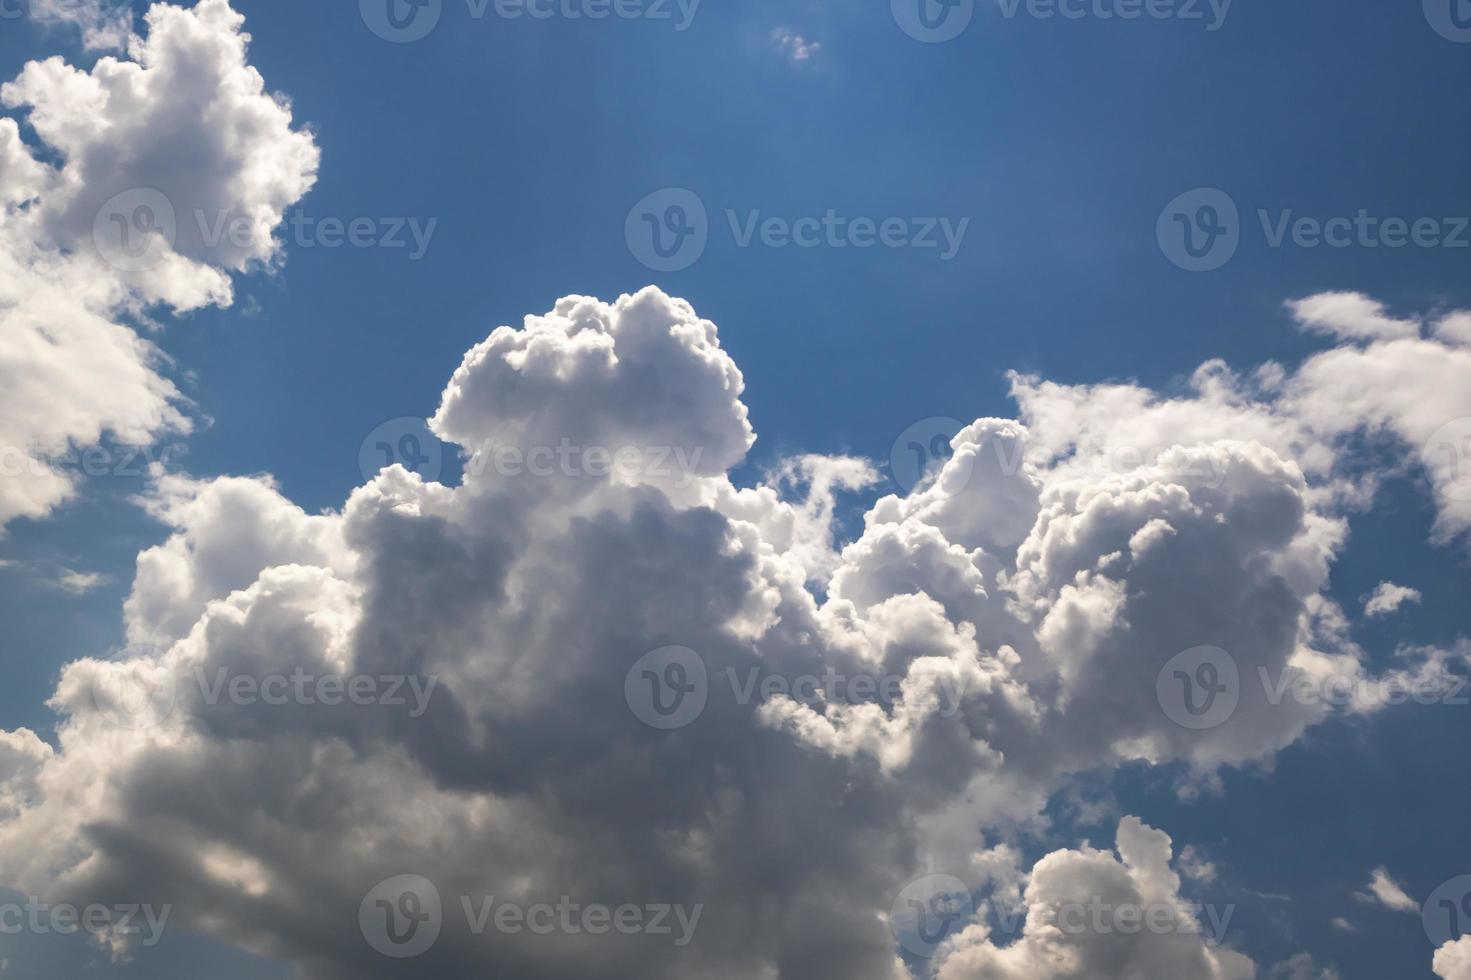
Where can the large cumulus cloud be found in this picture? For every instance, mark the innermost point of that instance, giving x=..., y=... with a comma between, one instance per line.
x=1016, y=611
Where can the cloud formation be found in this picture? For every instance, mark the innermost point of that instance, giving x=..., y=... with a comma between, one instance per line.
x=1013, y=619
x=155, y=150
x=1387, y=597
x=1092, y=914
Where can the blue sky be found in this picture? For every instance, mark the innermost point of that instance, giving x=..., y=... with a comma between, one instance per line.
x=526, y=142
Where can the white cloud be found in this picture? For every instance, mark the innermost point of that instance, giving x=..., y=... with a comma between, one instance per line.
x=59, y=577
x=1195, y=867
x=183, y=127
x=1453, y=960
x=1081, y=922
x=79, y=583
x=1387, y=892
x=1388, y=597
x=1455, y=328
x=1024, y=601
x=1351, y=316
x=1301, y=967
x=795, y=46
x=105, y=24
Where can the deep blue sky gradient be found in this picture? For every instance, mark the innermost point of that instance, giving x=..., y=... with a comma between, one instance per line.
x=1060, y=141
